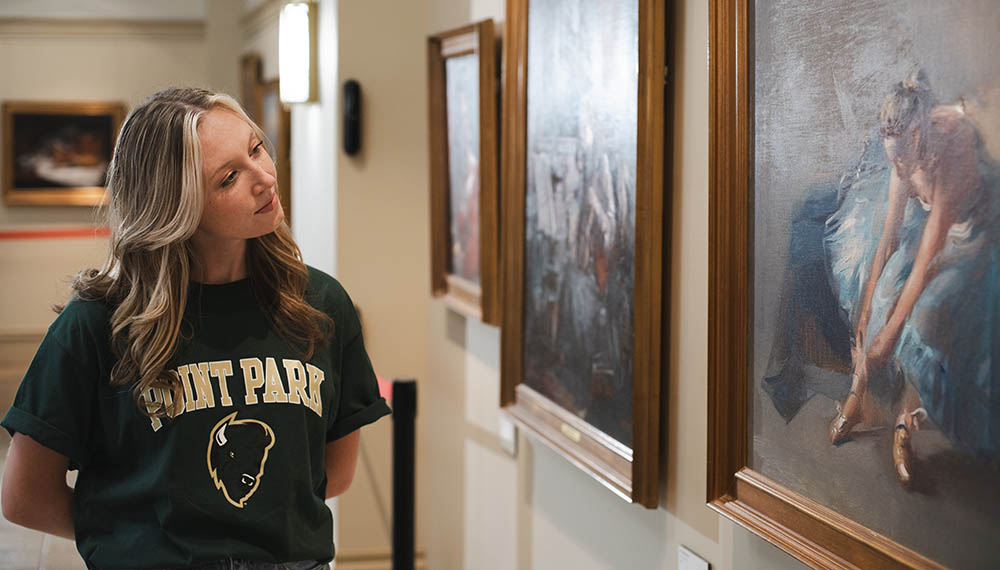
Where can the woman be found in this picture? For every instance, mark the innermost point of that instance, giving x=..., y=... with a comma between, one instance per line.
x=924, y=299
x=208, y=385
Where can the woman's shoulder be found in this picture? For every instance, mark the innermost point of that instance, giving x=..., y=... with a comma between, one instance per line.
x=951, y=124
x=82, y=326
x=325, y=289
x=325, y=293
x=86, y=313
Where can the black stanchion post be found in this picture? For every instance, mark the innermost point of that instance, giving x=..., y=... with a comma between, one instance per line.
x=404, y=412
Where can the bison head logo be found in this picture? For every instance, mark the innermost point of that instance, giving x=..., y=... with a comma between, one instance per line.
x=237, y=452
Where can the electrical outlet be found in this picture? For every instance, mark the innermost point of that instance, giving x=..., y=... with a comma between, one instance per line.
x=508, y=436
x=687, y=560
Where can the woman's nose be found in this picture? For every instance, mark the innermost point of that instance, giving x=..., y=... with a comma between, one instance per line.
x=264, y=179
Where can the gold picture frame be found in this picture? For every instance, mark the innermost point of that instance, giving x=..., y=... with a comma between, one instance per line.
x=57, y=153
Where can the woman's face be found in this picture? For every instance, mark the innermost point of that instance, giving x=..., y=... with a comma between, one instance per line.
x=241, y=200
x=901, y=150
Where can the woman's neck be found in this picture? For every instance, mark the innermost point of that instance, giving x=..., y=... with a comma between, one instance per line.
x=216, y=263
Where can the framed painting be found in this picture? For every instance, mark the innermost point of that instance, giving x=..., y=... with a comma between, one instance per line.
x=465, y=208
x=854, y=344
x=57, y=154
x=275, y=120
x=583, y=218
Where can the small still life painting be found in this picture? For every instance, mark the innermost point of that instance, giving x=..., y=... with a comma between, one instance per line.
x=876, y=359
x=58, y=153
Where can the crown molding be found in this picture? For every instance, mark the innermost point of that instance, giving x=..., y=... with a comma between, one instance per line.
x=32, y=28
x=264, y=15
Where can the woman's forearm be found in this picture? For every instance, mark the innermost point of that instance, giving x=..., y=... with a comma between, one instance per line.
x=874, y=272
x=341, y=460
x=887, y=244
x=52, y=515
x=932, y=240
x=35, y=494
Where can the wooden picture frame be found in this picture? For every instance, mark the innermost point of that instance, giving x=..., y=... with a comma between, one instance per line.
x=805, y=528
x=250, y=72
x=473, y=289
x=276, y=122
x=629, y=469
x=56, y=154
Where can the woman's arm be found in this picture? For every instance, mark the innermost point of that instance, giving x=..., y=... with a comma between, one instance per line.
x=953, y=175
x=887, y=244
x=35, y=493
x=931, y=242
x=341, y=461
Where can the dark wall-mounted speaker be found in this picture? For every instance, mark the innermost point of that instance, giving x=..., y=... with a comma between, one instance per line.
x=352, y=117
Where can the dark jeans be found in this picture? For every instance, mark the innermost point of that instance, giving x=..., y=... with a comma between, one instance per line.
x=230, y=564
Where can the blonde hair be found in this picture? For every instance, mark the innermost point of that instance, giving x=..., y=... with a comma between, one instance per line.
x=156, y=200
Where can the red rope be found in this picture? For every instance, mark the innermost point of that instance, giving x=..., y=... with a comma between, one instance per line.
x=90, y=231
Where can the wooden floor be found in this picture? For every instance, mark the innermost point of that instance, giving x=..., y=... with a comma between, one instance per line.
x=23, y=549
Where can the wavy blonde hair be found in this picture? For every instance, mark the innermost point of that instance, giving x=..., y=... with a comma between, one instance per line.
x=156, y=199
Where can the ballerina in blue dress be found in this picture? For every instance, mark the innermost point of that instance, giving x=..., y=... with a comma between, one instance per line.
x=913, y=260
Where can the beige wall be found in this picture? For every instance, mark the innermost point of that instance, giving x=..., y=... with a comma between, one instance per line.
x=260, y=35
x=382, y=231
x=223, y=45
x=477, y=507
x=72, y=60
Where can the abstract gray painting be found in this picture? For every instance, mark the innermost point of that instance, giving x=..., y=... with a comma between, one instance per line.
x=580, y=208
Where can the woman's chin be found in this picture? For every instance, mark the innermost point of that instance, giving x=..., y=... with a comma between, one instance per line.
x=279, y=216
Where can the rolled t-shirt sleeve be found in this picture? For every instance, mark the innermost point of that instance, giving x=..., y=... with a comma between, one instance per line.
x=54, y=404
x=360, y=402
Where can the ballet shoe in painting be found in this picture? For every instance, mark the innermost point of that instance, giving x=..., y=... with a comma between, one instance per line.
x=902, y=455
x=848, y=416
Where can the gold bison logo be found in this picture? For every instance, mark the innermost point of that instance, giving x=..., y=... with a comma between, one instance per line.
x=237, y=452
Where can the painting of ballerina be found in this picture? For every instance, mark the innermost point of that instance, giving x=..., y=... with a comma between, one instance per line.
x=876, y=355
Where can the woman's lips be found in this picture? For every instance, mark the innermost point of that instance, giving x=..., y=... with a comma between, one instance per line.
x=269, y=206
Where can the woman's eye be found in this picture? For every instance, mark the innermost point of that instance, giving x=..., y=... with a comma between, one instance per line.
x=257, y=147
x=228, y=179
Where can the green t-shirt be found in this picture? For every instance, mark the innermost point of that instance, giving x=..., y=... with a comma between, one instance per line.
x=240, y=473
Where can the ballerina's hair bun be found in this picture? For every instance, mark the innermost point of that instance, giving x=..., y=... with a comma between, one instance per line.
x=917, y=80
x=908, y=104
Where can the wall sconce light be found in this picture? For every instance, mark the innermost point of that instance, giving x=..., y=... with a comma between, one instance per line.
x=297, y=52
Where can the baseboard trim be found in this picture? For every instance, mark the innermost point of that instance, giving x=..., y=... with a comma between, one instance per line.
x=373, y=560
x=19, y=335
